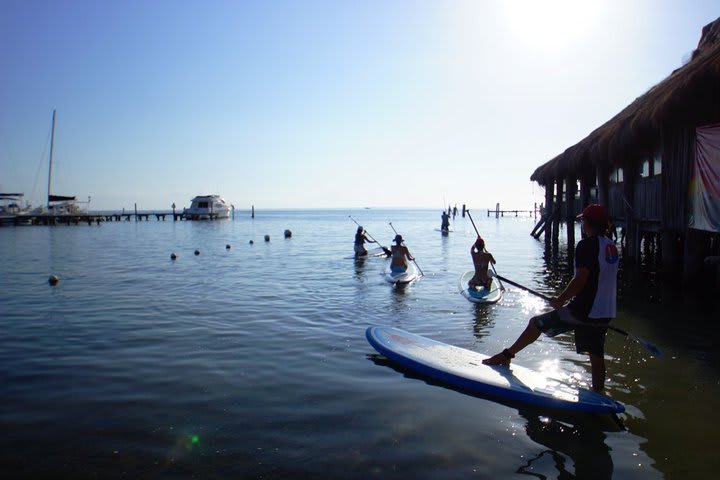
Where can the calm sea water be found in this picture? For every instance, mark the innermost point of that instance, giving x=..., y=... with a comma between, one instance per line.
x=252, y=362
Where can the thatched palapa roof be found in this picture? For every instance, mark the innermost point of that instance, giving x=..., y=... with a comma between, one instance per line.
x=689, y=97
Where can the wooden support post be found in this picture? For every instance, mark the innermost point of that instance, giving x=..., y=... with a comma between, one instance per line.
x=549, y=209
x=585, y=186
x=558, y=216
x=463, y=211
x=603, y=175
x=571, y=187
x=632, y=230
x=252, y=214
x=136, y=217
x=697, y=247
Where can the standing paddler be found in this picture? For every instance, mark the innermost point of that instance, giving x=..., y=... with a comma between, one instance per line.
x=592, y=296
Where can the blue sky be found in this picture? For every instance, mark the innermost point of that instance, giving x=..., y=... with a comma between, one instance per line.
x=316, y=104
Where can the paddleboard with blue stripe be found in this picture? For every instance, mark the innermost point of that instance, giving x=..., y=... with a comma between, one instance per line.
x=480, y=295
x=463, y=368
x=402, y=278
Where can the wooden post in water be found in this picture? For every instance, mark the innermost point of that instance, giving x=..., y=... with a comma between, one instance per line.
x=497, y=210
x=549, y=210
x=570, y=214
x=252, y=212
x=174, y=217
x=559, y=206
x=136, y=216
x=463, y=211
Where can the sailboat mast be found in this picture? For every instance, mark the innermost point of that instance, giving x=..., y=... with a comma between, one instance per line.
x=52, y=147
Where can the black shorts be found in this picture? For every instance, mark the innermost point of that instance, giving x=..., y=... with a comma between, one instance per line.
x=589, y=336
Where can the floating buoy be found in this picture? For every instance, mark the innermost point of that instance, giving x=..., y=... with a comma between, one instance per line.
x=267, y=238
x=197, y=252
x=53, y=280
x=227, y=247
x=251, y=242
x=288, y=234
x=173, y=256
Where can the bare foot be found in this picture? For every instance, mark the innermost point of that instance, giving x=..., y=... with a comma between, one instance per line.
x=502, y=358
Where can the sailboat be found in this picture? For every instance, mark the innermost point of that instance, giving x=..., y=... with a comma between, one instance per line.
x=58, y=204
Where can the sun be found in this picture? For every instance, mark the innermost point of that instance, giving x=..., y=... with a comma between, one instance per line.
x=550, y=23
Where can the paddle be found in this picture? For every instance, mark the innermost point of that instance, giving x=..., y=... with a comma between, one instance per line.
x=502, y=287
x=653, y=349
x=386, y=250
x=418, y=266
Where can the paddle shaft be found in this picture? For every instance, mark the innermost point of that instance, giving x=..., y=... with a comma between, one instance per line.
x=502, y=287
x=649, y=346
x=418, y=266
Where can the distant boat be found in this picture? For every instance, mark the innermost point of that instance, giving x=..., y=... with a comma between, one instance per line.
x=11, y=203
x=207, y=207
x=10, y=207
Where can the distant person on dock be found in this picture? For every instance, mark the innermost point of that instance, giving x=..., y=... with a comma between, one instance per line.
x=360, y=239
x=482, y=260
x=400, y=255
x=592, y=293
x=445, y=221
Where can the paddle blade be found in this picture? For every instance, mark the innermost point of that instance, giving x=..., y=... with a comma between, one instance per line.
x=653, y=349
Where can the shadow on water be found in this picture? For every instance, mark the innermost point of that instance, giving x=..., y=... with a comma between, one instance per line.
x=583, y=442
x=578, y=435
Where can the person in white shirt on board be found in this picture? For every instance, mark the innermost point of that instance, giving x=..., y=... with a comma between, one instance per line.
x=592, y=296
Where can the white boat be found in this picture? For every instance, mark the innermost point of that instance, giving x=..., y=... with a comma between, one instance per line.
x=207, y=207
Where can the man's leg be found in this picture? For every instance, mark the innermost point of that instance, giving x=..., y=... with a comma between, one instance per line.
x=528, y=336
x=597, y=367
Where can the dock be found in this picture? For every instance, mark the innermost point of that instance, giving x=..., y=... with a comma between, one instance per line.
x=90, y=218
x=501, y=213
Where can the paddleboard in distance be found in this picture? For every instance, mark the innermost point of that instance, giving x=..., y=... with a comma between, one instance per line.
x=463, y=368
x=480, y=295
x=402, y=278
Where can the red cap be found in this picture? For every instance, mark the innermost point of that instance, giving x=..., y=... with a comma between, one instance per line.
x=594, y=211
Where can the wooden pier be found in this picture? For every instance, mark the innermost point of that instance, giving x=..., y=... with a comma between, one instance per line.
x=501, y=213
x=91, y=218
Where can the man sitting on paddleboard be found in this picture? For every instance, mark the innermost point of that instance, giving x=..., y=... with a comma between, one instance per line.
x=592, y=293
x=400, y=253
x=482, y=261
x=360, y=239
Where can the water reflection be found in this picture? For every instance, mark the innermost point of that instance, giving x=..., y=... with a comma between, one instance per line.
x=583, y=441
x=484, y=320
x=575, y=442
x=359, y=271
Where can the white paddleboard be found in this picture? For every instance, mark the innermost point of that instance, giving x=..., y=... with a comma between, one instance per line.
x=480, y=294
x=402, y=278
x=463, y=368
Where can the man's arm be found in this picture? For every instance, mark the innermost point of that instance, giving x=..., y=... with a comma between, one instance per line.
x=573, y=288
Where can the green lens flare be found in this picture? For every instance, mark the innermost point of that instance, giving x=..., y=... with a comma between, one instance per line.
x=194, y=439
